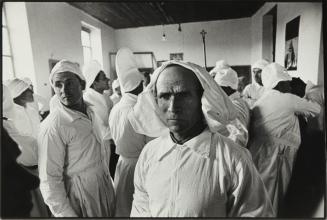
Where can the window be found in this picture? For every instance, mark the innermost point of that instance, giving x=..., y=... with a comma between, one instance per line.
x=7, y=59
x=86, y=44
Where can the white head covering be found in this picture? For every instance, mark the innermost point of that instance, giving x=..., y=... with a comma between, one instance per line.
x=274, y=73
x=27, y=80
x=7, y=103
x=65, y=66
x=217, y=108
x=220, y=65
x=90, y=71
x=260, y=64
x=227, y=77
x=17, y=87
x=128, y=74
x=115, y=84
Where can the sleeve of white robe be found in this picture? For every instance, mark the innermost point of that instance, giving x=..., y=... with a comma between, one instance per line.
x=27, y=144
x=51, y=167
x=302, y=106
x=248, y=196
x=140, y=206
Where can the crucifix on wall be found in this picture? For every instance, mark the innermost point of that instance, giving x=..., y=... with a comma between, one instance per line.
x=203, y=33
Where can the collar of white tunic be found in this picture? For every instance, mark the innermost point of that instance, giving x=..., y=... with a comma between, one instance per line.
x=199, y=144
x=73, y=115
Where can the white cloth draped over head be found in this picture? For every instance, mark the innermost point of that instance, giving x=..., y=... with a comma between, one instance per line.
x=17, y=87
x=272, y=74
x=217, y=108
x=7, y=103
x=115, y=84
x=220, y=65
x=65, y=66
x=90, y=71
x=260, y=64
x=127, y=72
x=227, y=77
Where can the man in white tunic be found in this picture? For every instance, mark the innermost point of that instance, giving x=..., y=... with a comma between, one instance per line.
x=190, y=170
x=220, y=65
x=96, y=83
x=74, y=179
x=116, y=96
x=129, y=144
x=238, y=129
x=254, y=91
x=275, y=133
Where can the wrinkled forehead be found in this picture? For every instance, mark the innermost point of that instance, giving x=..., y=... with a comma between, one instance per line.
x=176, y=75
x=64, y=76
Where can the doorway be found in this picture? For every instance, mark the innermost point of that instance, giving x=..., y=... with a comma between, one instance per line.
x=269, y=34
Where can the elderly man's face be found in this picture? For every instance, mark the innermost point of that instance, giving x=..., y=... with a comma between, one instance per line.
x=257, y=75
x=179, y=98
x=68, y=88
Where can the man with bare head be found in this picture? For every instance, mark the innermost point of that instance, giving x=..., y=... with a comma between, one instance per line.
x=191, y=170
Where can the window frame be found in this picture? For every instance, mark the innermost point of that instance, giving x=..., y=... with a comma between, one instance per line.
x=9, y=41
x=88, y=31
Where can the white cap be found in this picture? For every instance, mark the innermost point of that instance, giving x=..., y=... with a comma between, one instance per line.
x=272, y=74
x=220, y=65
x=66, y=66
x=115, y=84
x=27, y=80
x=127, y=72
x=90, y=71
x=260, y=64
x=227, y=77
x=17, y=87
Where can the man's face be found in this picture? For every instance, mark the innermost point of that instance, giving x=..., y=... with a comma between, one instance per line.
x=118, y=91
x=27, y=96
x=68, y=88
x=179, y=98
x=102, y=81
x=257, y=75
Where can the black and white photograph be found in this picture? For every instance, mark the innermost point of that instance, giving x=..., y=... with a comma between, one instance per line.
x=163, y=109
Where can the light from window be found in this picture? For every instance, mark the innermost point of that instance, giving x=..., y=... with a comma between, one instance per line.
x=7, y=59
x=86, y=44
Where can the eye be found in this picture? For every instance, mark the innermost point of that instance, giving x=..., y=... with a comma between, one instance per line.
x=164, y=96
x=57, y=84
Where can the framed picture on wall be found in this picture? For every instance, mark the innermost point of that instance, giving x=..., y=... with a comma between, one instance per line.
x=176, y=56
x=291, y=44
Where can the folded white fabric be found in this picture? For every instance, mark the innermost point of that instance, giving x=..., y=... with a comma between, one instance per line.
x=90, y=71
x=127, y=72
x=227, y=77
x=272, y=74
x=66, y=66
x=217, y=108
x=17, y=87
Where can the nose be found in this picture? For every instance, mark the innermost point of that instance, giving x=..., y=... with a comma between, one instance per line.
x=173, y=104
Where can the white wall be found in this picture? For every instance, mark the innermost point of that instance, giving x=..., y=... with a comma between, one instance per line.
x=55, y=29
x=309, y=35
x=225, y=39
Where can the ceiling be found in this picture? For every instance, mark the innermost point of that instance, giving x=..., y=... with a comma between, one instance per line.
x=137, y=14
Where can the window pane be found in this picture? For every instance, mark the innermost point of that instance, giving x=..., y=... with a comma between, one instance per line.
x=85, y=39
x=7, y=68
x=5, y=42
x=87, y=54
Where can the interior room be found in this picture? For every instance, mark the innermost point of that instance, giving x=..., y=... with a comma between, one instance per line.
x=36, y=36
